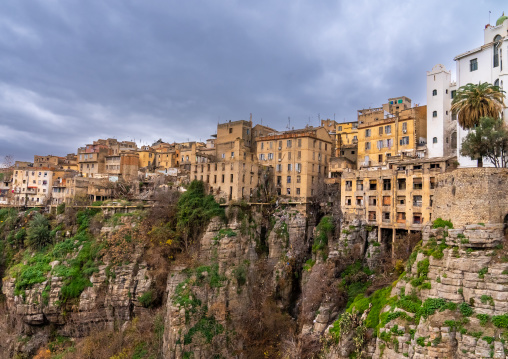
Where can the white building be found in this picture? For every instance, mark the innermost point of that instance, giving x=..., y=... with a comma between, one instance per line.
x=482, y=64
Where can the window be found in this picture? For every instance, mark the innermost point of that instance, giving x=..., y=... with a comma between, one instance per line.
x=270, y=156
x=367, y=133
x=388, y=129
x=230, y=130
x=401, y=200
x=349, y=185
x=340, y=128
x=432, y=182
x=262, y=145
x=404, y=141
x=387, y=185
x=372, y=185
x=288, y=144
x=434, y=113
x=387, y=200
x=262, y=156
x=497, y=42
x=224, y=156
x=232, y=155
x=289, y=156
x=401, y=217
x=299, y=155
x=359, y=201
x=290, y=167
x=288, y=190
x=359, y=185
x=298, y=167
x=401, y=184
x=386, y=216
x=298, y=191
x=496, y=83
x=348, y=201
x=372, y=216
x=299, y=143
x=380, y=130
x=473, y=65
x=372, y=200
x=417, y=183
x=434, y=92
x=417, y=201
x=298, y=179
x=231, y=178
x=434, y=140
x=279, y=168
x=453, y=93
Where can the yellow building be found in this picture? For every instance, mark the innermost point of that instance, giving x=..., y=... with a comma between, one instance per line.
x=300, y=159
x=396, y=199
x=32, y=186
x=394, y=135
x=342, y=133
x=147, y=157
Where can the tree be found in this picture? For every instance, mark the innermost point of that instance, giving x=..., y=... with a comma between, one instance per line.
x=472, y=102
x=490, y=140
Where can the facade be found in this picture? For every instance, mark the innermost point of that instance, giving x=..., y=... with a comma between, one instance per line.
x=32, y=186
x=399, y=197
x=342, y=133
x=384, y=135
x=300, y=159
x=482, y=64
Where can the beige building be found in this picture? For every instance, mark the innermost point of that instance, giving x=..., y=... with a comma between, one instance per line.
x=32, y=186
x=397, y=199
x=300, y=159
x=383, y=135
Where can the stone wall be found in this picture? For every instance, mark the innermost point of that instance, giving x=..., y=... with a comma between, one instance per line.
x=472, y=195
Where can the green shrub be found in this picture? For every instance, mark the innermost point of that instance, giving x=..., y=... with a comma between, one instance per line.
x=465, y=309
x=147, y=299
x=441, y=223
x=484, y=319
x=38, y=234
x=482, y=272
x=420, y=341
x=487, y=299
x=323, y=231
x=60, y=208
x=500, y=321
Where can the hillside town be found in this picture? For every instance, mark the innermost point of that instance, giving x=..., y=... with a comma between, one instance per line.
x=383, y=163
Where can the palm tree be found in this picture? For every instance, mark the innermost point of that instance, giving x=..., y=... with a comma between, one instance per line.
x=473, y=102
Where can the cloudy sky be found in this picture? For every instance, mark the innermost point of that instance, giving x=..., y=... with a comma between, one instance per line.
x=73, y=71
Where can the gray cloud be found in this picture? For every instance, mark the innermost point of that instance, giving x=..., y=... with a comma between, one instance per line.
x=75, y=71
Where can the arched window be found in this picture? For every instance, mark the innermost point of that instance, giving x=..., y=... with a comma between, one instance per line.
x=434, y=114
x=497, y=43
x=454, y=140
x=434, y=92
x=434, y=140
x=496, y=83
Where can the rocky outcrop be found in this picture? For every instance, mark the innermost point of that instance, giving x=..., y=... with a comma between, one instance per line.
x=458, y=284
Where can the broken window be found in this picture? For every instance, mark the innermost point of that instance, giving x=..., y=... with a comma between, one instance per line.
x=359, y=201
x=401, y=217
x=359, y=185
x=372, y=185
x=386, y=216
x=417, y=201
x=417, y=183
x=372, y=216
x=387, y=184
x=417, y=218
x=387, y=200
x=401, y=184
x=372, y=200
x=349, y=185
x=348, y=201
x=401, y=200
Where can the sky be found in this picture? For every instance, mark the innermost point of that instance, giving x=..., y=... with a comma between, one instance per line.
x=74, y=71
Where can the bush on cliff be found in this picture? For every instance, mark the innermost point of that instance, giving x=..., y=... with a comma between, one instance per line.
x=39, y=234
x=194, y=209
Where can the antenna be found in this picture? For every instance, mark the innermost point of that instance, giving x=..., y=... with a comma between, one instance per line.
x=289, y=123
x=489, y=16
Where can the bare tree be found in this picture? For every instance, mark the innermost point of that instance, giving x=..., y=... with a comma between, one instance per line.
x=8, y=161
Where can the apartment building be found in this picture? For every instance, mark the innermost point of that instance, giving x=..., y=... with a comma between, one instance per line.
x=31, y=186
x=397, y=199
x=343, y=134
x=228, y=163
x=399, y=133
x=300, y=159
